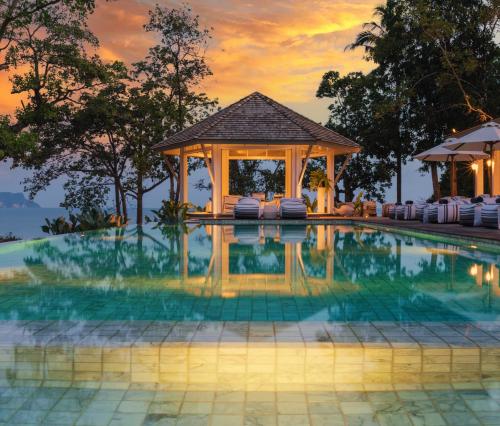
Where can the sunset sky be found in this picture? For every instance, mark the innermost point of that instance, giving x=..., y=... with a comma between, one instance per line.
x=280, y=48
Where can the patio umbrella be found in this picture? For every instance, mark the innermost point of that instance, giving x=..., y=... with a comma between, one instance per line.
x=443, y=153
x=484, y=137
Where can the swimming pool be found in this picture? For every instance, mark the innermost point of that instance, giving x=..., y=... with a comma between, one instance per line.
x=249, y=325
x=248, y=273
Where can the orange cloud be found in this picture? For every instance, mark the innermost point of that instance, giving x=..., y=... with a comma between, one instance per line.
x=280, y=48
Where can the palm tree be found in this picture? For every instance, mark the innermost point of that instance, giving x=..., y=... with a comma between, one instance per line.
x=372, y=32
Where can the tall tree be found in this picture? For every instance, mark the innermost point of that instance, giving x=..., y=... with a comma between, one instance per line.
x=177, y=66
x=353, y=112
x=21, y=26
x=436, y=65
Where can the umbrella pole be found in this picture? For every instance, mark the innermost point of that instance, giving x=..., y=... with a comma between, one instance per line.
x=491, y=169
x=453, y=177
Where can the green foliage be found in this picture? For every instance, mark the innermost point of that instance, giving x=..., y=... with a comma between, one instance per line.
x=7, y=238
x=319, y=179
x=58, y=226
x=170, y=212
x=89, y=220
x=436, y=67
x=358, y=204
x=312, y=206
x=12, y=144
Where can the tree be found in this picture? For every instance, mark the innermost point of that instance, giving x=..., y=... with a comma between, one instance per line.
x=437, y=66
x=21, y=24
x=353, y=113
x=147, y=120
x=177, y=66
x=15, y=14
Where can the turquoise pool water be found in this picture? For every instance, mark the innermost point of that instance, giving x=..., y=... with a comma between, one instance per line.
x=248, y=273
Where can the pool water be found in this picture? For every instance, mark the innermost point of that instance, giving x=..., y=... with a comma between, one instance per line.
x=248, y=273
x=249, y=325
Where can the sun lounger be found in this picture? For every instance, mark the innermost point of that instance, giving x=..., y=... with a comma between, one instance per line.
x=293, y=208
x=421, y=212
x=447, y=210
x=405, y=212
x=370, y=208
x=470, y=214
x=247, y=208
x=392, y=214
x=346, y=210
x=229, y=203
x=385, y=209
x=490, y=215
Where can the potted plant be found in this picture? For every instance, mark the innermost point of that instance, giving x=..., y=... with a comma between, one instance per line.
x=320, y=183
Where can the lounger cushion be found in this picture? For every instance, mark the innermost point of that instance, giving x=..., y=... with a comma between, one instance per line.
x=345, y=210
x=470, y=214
x=421, y=211
x=370, y=208
x=489, y=215
x=293, y=208
x=247, y=208
x=230, y=202
x=444, y=213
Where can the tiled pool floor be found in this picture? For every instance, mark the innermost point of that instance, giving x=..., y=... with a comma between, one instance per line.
x=249, y=373
x=137, y=404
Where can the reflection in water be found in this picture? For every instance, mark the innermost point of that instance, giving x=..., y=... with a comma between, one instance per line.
x=247, y=272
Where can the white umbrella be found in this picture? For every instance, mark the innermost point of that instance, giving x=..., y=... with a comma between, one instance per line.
x=443, y=153
x=485, y=137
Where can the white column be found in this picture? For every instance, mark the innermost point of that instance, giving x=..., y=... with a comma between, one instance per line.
x=217, y=186
x=183, y=176
x=330, y=172
x=478, y=177
x=496, y=173
x=225, y=172
x=288, y=173
x=295, y=172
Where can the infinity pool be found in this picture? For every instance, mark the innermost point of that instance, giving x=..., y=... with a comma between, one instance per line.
x=248, y=273
x=249, y=325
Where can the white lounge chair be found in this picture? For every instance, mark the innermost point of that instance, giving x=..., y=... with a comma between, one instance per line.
x=447, y=210
x=229, y=203
x=490, y=214
x=407, y=211
x=470, y=214
x=247, y=208
x=369, y=208
x=293, y=208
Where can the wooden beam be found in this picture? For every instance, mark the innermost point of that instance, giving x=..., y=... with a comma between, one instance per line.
x=342, y=169
x=304, y=166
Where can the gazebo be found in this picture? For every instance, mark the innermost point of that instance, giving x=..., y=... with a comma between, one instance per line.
x=256, y=128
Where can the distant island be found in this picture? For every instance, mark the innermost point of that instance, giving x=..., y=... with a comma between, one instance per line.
x=16, y=200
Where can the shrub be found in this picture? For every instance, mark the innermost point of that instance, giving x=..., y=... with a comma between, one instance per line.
x=170, y=212
x=88, y=220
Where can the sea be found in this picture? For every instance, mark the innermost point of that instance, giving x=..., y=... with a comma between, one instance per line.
x=26, y=223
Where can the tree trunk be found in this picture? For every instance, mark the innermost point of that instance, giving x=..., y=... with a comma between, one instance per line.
x=171, y=182
x=177, y=191
x=435, y=181
x=117, y=198
x=399, y=177
x=139, y=199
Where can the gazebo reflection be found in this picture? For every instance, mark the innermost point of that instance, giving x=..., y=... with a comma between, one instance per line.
x=264, y=258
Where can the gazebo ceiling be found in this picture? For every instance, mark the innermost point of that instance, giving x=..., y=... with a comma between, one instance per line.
x=260, y=121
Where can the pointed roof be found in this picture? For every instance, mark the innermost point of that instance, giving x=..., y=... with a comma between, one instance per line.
x=258, y=119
